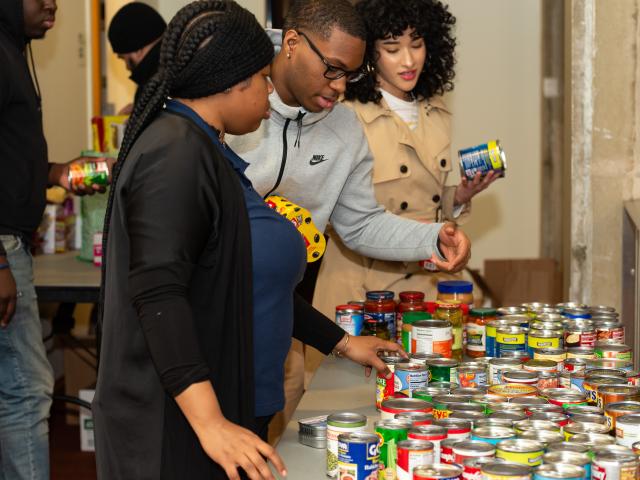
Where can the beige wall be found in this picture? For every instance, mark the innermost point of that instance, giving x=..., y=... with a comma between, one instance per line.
x=605, y=150
x=168, y=8
x=63, y=67
x=498, y=95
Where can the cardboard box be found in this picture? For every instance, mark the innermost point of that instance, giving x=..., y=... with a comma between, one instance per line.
x=517, y=281
x=87, y=443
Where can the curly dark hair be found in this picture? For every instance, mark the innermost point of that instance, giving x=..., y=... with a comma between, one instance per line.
x=432, y=21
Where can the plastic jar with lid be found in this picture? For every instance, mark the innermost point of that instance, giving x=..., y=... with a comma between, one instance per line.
x=409, y=302
x=381, y=308
x=452, y=312
x=476, y=331
x=409, y=319
x=456, y=290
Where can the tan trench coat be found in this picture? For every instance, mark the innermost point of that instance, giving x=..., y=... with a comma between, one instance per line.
x=409, y=175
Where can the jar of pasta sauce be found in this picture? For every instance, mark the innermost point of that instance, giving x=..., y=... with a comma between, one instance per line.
x=409, y=302
x=476, y=332
x=380, y=308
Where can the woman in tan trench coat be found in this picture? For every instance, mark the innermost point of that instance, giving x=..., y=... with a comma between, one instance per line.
x=410, y=57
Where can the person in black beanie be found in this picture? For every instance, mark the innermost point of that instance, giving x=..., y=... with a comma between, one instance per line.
x=135, y=33
x=199, y=273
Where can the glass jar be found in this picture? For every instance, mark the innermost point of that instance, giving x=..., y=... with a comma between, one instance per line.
x=476, y=332
x=375, y=329
x=409, y=302
x=409, y=318
x=380, y=308
x=455, y=291
x=452, y=312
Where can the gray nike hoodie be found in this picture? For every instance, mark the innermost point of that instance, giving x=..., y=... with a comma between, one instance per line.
x=321, y=161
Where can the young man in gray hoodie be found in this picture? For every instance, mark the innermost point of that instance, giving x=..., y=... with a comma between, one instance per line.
x=314, y=152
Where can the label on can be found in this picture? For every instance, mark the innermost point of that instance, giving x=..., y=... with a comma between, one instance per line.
x=482, y=159
x=406, y=380
x=432, y=340
x=350, y=322
x=490, y=339
x=385, y=387
x=408, y=459
x=613, y=471
x=468, y=378
x=332, y=446
x=509, y=342
x=531, y=459
x=357, y=460
x=579, y=338
x=476, y=337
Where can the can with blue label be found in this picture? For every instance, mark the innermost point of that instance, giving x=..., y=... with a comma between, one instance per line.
x=559, y=471
x=409, y=377
x=510, y=339
x=350, y=318
x=570, y=458
x=483, y=159
x=358, y=456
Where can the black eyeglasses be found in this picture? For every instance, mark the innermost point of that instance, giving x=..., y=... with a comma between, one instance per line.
x=332, y=72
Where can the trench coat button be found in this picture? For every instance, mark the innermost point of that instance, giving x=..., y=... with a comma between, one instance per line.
x=436, y=198
x=404, y=206
x=443, y=162
x=404, y=169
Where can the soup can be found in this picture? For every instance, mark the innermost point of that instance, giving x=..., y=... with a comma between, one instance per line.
x=580, y=335
x=575, y=365
x=457, y=429
x=390, y=432
x=466, y=449
x=618, y=409
x=436, y=471
x=524, y=452
x=585, y=353
x=492, y=434
x=610, y=330
x=571, y=458
x=393, y=406
x=416, y=418
x=472, y=376
x=497, y=367
x=547, y=380
x=617, y=351
x=617, y=393
x=628, y=430
x=409, y=377
x=358, y=455
x=482, y=159
x=557, y=355
x=510, y=339
x=446, y=450
x=473, y=467
x=431, y=433
x=350, y=318
x=337, y=424
x=615, y=466
x=538, y=339
x=385, y=387
x=520, y=376
x=443, y=370
x=505, y=471
x=432, y=336
x=633, y=377
x=411, y=454
x=559, y=471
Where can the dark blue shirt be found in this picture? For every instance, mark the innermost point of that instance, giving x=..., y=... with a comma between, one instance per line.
x=279, y=260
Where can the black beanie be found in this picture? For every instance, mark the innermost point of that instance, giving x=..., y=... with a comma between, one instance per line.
x=237, y=51
x=134, y=26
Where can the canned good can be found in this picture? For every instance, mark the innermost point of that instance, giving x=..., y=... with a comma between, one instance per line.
x=560, y=419
x=633, y=377
x=472, y=417
x=473, y=391
x=610, y=330
x=571, y=458
x=559, y=471
x=491, y=333
x=524, y=452
x=416, y=418
x=607, y=350
x=580, y=335
x=497, y=367
x=557, y=355
x=547, y=380
x=543, y=436
x=575, y=365
x=636, y=448
x=617, y=393
x=472, y=376
x=568, y=447
x=564, y=397
x=589, y=418
x=522, y=377
x=466, y=449
x=385, y=387
x=618, y=409
x=432, y=336
x=457, y=429
x=431, y=391
x=358, y=455
x=529, y=424
x=609, y=363
x=572, y=380
x=483, y=159
x=628, y=430
x=432, y=433
x=350, y=318
x=593, y=384
x=503, y=311
x=390, y=432
x=442, y=405
x=521, y=355
x=505, y=471
x=528, y=402
x=443, y=370
x=473, y=467
x=537, y=365
x=337, y=424
x=438, y=472
x=409, y=377
x=512, y=390
x=393, y=406
x=584, y=410
x=585, y=353
x=492, y=434
x=412, y=454
x=538, y=339
x=512, y=416
x=86, y=174
x=495, y=422
x=510, y=339
x=615, y=466
x=592, y=440
x=574, y=428
x=446, y=450
x=422, y=357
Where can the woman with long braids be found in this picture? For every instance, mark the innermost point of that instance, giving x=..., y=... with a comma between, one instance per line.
x=410, y=59
x=199, y=275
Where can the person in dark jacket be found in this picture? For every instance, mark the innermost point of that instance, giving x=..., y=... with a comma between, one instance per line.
x=198, y=301
x=135, y=33
x=26, y=380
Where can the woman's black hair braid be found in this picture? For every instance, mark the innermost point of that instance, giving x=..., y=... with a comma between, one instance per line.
x=431, y=20
x=178, y=48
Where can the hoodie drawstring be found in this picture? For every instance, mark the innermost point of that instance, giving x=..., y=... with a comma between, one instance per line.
x=34, y=75
x=301, y=114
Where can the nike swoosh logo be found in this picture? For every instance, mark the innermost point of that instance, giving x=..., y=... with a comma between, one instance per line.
x=314, y=161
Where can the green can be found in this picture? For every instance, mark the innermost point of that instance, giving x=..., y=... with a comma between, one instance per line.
x=390, y=432
x=443, y=370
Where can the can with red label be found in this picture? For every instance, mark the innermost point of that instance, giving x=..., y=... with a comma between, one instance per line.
x=633, y=377
x=438, y=472
x=614, y=466
x=411, y=454
x=610, y=330
x=456, y=428
x=473, y=467
x=432, y=433
x=581, y=334
x=446, y=450
x=471, y=449
x=575, y=365
x=416, y=418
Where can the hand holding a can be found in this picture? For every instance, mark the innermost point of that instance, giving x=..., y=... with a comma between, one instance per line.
x=470, y=188
x=455, y=246
x=366, y=350
x=83, y=175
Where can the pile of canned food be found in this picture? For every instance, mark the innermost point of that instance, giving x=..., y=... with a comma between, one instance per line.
x=545, y=393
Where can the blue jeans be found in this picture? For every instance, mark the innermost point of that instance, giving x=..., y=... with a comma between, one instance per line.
x=26, y=379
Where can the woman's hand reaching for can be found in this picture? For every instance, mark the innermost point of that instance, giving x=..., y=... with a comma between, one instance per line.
x=366, y=350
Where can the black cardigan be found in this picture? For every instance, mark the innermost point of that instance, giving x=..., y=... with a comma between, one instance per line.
x=177, y=305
